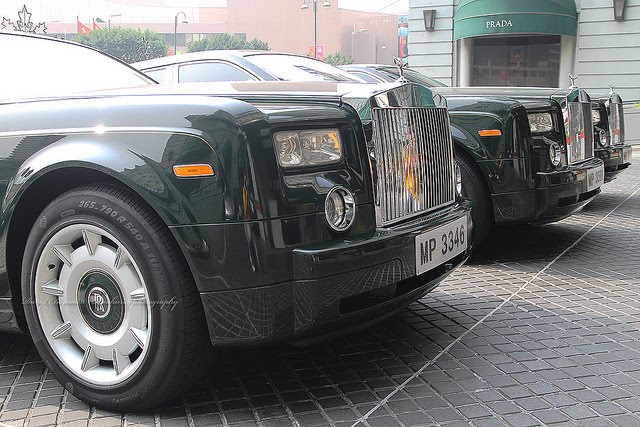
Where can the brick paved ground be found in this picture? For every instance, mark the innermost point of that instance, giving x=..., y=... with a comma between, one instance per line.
x=543, y=328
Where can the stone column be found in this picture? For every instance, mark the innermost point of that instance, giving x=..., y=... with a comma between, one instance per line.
x=567, y=60
x=465, y=63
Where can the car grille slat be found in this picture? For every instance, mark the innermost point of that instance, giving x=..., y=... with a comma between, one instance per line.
x=424, y=167
x=413, y=152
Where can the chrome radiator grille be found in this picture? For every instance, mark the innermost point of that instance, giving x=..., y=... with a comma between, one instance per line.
x=616, y=123
x=579, y=131
x=413, y=162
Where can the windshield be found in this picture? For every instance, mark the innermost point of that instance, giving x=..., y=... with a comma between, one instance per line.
x=299, y=68
x=413, y=76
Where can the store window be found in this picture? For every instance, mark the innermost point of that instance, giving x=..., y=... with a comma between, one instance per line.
x=516, y=61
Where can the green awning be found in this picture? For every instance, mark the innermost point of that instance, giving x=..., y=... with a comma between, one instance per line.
x=475, y=18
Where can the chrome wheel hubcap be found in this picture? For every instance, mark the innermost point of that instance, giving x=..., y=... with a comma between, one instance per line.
x=93, y=304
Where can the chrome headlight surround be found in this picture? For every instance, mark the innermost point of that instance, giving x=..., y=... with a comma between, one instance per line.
x=340, y=208
x=555, y=154
x=540, y=123
x=458, y=180
x=308, y=148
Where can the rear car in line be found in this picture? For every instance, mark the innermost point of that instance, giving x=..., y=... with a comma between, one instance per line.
x=609, y=133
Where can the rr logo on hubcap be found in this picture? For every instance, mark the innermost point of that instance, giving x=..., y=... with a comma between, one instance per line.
x=99, y=303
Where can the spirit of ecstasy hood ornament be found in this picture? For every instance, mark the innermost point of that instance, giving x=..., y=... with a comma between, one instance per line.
x=401, y=67
x=573, y=81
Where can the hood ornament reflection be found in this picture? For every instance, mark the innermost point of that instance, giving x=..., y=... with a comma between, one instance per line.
x=401, y=65
x=573, y=81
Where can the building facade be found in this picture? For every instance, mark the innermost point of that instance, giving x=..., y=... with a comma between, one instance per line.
x=531, y=43
x=284, y=24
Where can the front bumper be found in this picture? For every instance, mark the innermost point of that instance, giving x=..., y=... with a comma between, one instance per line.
x=336, y=287
x=561, y=193
x=615, y=158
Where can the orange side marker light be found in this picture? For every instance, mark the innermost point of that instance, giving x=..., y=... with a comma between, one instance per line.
x=193, y=171
x=490, y=132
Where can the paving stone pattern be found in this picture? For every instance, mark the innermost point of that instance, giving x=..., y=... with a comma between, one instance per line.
x=543, y=327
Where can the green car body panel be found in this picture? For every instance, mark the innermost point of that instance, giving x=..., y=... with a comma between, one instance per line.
x=266, y=263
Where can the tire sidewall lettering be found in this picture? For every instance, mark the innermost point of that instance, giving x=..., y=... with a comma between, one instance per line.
x=95, y=206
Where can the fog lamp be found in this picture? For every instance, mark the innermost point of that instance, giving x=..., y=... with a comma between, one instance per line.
x=458, y=181
x=555, y=154
x=340, y=208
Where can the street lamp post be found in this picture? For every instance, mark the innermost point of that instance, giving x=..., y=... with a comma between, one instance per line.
x=304, y=6
x=119, y=16
x=380, y=46
x=175, y=30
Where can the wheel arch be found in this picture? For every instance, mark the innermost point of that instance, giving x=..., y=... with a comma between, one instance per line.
x=486, y=207
x=461, y=149
x=31, y=201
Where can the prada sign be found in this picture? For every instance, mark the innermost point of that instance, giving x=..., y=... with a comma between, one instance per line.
x=499, y=24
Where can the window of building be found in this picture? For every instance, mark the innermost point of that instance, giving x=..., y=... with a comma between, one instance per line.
x=516, y=61
x=211, y=72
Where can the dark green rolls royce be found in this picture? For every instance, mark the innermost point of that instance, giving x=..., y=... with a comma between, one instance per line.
x=609, y=133
x=526, y=155
x=142, y=223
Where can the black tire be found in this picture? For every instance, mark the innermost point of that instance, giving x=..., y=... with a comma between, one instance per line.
x=177, y=339
x=475, y=188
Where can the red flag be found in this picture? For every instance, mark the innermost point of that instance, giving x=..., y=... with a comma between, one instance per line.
x=95, y=26
x=83, y=29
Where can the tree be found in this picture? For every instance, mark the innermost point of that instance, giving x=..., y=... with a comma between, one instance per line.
x=256, y=44
x=126, y=44
x=226, y=41
x=338, y=59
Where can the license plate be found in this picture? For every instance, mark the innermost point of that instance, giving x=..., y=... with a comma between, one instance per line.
x=595, y=178
x=438, y=246
x=626, y=156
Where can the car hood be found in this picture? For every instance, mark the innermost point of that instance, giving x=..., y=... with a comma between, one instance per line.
x=360, y=96
x=510, y=92
x=529, y=97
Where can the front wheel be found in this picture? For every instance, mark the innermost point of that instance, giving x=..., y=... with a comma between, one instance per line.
x=109, y=300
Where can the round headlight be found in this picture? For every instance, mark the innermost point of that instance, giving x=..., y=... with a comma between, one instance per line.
x=340, y=208
x=604, y=138
x=555, y=154
x=458, y=181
